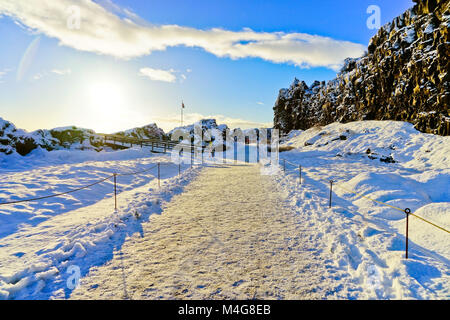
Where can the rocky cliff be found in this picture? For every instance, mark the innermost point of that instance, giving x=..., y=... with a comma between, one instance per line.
x=403, y=76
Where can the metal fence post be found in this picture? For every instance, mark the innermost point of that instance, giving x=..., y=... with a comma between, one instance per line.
x=235, y=150
x=246, y=149
x=159, y=175
x=300, y=174
x=257, y=150
x=331, y=190
x=224, y=152
x=115, y=191
x=407, y=211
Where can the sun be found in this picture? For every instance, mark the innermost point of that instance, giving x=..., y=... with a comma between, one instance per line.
x=106, y=97
x=107, y=108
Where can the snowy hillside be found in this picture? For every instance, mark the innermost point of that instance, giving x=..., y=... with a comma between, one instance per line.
x=389, y=162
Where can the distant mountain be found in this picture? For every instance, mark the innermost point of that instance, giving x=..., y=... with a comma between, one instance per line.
x=17, y=140
x=403, y=76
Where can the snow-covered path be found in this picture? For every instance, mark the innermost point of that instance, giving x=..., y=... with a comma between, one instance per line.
x=230, y=234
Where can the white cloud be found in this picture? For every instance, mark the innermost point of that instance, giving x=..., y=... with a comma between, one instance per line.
x=38, y=76
x=172, y=121
x=59, y=72
x=3, y=73
x=118, y=32
x=260, y=103
x=158, y=74
x=62, y=72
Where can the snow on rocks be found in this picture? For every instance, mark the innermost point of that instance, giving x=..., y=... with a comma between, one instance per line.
x=150, y=131
x=200, y=131
x=16, y=141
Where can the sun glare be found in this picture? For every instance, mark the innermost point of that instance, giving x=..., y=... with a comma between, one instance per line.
x=105, y=97
x=107, y=106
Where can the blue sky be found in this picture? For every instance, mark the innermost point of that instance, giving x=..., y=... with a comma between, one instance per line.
x=111, y=74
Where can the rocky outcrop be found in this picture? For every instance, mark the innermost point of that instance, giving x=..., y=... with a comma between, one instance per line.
x=14, y=140
x=199, y=131
x=403, y=76
x=150, y=131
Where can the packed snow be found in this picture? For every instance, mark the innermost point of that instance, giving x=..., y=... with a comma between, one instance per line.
x=229, y=235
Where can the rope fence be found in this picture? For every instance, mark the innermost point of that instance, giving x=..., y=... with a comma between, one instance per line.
x=114, y=176
x=164, y=145
x=58, y=194
x=298, y=167
x=407, y=211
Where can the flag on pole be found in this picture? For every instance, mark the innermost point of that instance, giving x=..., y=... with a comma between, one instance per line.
x=182, y=107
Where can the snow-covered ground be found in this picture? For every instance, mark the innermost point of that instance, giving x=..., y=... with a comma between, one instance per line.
x=367, y=239
x=357, y=245
x=41, y=240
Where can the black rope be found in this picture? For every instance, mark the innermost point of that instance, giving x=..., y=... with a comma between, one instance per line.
x=59, y=194
x=135, y=173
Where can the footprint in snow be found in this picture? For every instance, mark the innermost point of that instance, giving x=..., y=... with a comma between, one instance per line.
x=237, y=283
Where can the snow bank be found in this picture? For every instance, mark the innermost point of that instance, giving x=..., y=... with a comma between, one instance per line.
x=378, y=140
x=386, y=161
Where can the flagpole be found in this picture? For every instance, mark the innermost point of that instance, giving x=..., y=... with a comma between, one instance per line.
x=182, y=114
